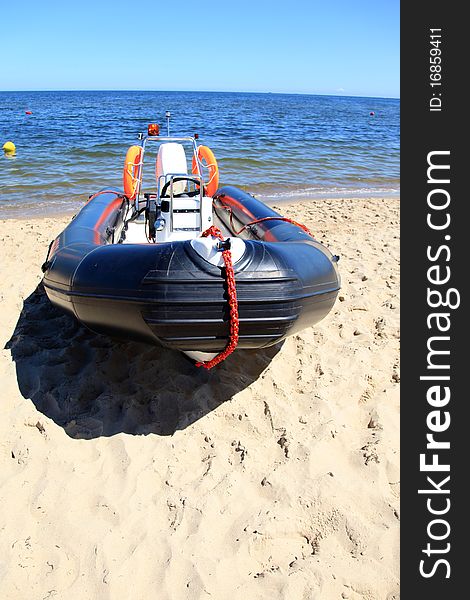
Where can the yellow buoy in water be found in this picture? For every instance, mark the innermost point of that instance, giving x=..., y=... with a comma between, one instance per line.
x=9, y=148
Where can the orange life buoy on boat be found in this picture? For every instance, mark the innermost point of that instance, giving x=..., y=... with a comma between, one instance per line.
x=131, y=174
x=206, y=154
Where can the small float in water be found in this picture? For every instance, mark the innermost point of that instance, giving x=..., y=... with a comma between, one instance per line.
x=186, y=264
x=9, y=149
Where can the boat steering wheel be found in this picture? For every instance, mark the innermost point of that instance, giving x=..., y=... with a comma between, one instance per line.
x=174, y=180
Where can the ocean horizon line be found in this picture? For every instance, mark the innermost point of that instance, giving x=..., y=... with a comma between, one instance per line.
x=260, y=93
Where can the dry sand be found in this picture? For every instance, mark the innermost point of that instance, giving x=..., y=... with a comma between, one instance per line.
x=127, y=473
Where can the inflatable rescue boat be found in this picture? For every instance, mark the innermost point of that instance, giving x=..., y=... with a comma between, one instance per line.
x=187, y=264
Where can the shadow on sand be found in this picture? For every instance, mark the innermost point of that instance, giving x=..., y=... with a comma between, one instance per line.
x=94, y=386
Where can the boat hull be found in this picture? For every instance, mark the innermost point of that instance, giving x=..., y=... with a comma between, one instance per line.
x=168, y=294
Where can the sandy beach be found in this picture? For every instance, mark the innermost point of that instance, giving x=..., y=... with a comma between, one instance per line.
x=127, y=473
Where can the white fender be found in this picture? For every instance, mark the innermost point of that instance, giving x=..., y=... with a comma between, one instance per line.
x=207, y=248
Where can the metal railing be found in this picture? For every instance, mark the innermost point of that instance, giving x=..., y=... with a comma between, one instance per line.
x=158, y=138
x=166, y=181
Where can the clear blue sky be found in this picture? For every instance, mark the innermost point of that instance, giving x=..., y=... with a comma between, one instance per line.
x=348, y=47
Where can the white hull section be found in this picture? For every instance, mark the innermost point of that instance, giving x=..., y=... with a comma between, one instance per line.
x=200, y=356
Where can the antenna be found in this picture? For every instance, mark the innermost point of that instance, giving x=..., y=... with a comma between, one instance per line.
x=168, y=115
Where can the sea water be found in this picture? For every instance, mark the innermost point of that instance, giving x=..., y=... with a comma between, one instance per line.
x=275, y=146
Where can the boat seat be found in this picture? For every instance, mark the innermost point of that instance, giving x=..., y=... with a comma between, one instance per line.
x=171, y=160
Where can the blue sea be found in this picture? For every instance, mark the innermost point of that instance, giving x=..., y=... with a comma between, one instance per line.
x=276, y=146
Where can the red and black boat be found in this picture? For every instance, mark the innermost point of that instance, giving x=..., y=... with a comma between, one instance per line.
x=187, y=264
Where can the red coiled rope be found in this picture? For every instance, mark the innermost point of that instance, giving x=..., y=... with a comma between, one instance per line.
x=232, y=301
x=231, y=286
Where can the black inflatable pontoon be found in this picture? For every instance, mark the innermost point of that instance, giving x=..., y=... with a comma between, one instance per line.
x=169, y=287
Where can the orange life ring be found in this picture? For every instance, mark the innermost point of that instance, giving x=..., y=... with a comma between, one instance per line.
x=206, y=154
x=131, y=173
